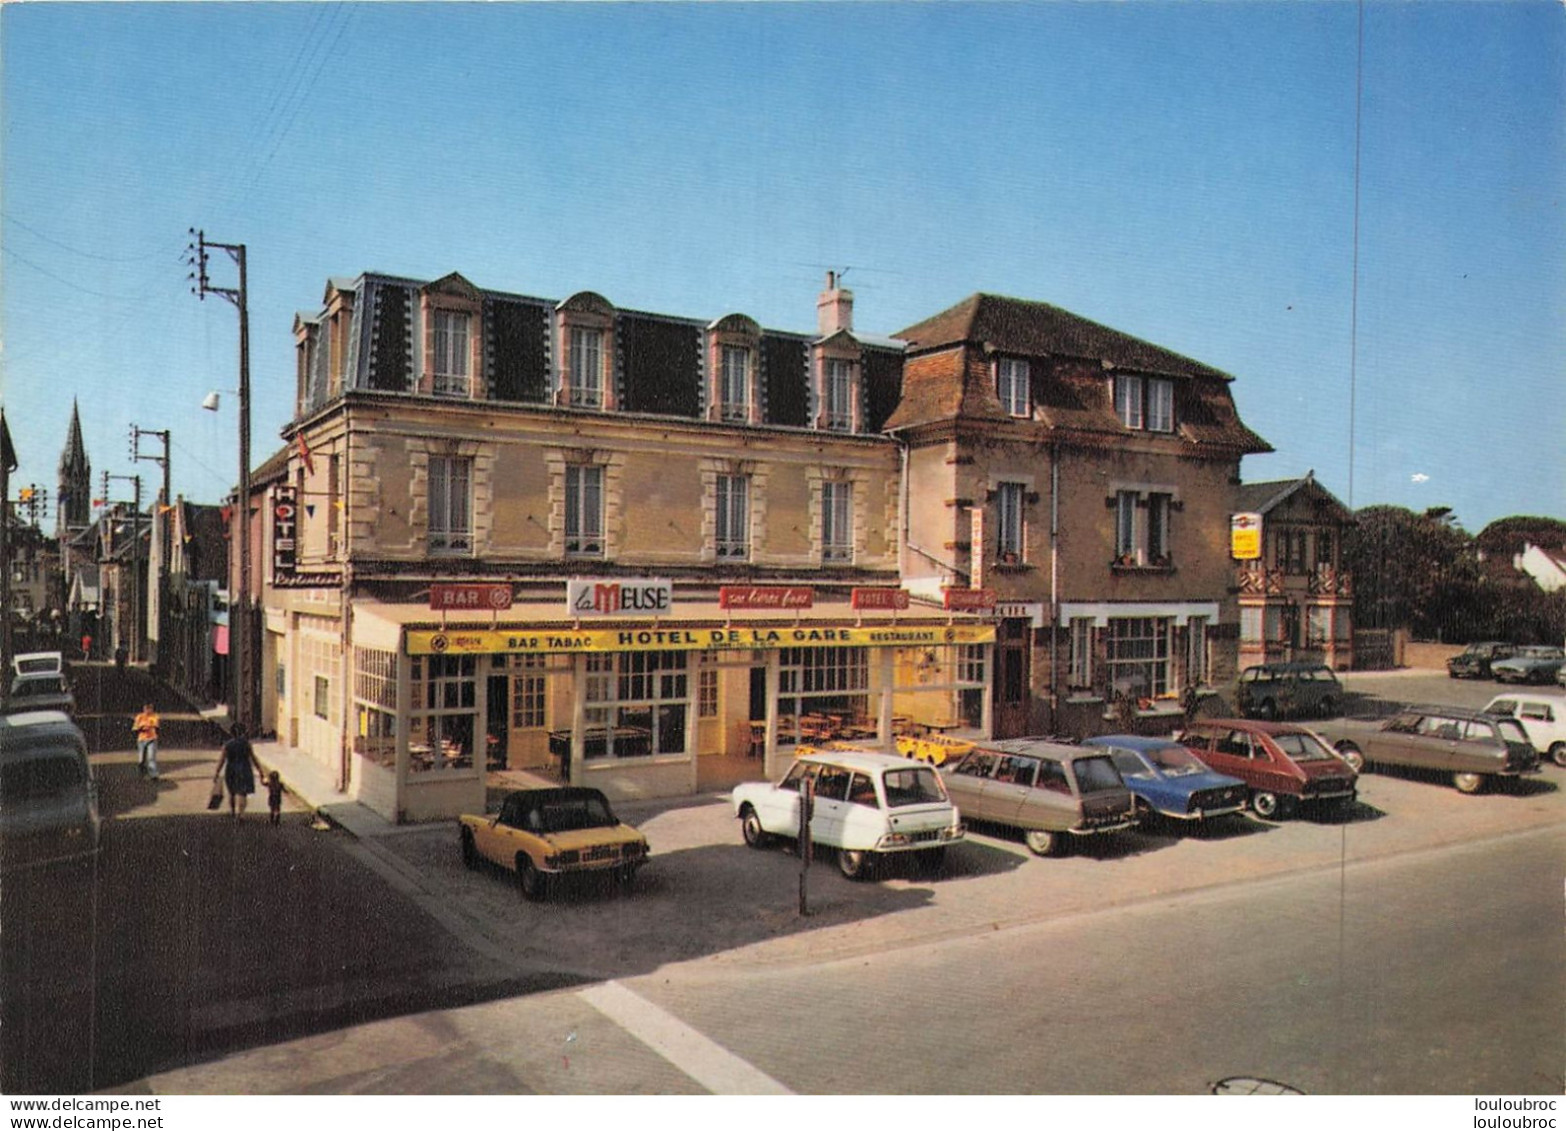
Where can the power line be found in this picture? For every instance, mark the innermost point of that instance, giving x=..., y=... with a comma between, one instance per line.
x=26, y=227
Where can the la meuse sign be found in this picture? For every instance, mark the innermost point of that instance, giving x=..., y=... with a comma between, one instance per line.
x=425, y=642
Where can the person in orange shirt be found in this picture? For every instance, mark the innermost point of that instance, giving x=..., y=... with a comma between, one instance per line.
x=146, y=728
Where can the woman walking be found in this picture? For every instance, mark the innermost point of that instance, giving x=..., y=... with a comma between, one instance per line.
x=238, y=769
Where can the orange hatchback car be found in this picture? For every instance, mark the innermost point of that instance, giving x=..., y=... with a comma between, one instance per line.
x=1283, y=765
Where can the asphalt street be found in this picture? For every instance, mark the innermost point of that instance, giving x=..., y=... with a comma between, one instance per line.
x=1411, y=946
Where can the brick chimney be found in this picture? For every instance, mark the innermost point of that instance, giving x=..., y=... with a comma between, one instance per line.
x=834, y=308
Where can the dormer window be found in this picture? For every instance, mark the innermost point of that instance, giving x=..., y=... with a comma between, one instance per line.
x=449, y=372
x=1013, y=385
x=585, y=389
x=1145, y=403
x=837, y=405
x=734, y=385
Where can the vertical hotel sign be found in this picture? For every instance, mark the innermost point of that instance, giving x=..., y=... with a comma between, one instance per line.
x=1245, y=537
x=285, y=531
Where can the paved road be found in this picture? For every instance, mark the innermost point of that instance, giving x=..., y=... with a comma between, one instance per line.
x=1435, y=972
x=195, y=938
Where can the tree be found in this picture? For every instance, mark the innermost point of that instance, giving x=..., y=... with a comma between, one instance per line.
x=1414, y=571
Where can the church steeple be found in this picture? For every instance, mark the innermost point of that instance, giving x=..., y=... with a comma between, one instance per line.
x=73, y=508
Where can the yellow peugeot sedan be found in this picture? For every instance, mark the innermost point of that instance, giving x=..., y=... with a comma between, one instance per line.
x=545, y=834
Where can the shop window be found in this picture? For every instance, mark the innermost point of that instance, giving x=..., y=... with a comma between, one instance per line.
x=445, y=708
x=636, y=704
x=1137, y=656
x=527, y=692
x=450, y=506
x=819, y=688
x=707, y=693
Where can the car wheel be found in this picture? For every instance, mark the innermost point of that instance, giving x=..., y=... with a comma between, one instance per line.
x=855, y=863
x=529, y=881
x=1468, y=783
x=750, y=828
x=1042, y=842
x=470, y=856
x=1558, y=754
x=1351, y=754
x=1266, y=804
x=1329, y=707
x=1266, y=709
x=625, y=875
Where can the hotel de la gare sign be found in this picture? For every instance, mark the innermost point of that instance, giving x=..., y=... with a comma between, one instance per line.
x=654, y=599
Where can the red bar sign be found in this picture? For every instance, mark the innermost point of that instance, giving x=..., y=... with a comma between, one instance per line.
x=970, y=600
x=879, y=599
x=766, y=597
x=447, y=597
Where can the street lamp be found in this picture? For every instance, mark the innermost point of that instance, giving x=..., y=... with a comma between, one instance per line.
x=240, y=628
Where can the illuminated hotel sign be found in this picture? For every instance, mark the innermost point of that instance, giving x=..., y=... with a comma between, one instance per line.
x=879, y=598
x=427, y=642
x=285, y=530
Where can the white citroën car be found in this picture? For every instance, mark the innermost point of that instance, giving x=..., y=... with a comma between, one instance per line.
x=867, y=805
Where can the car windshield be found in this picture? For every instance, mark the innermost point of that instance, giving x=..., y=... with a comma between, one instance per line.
x=576, y=813
x=1303, y=747
x=1130, y=764
x=917, y=785
x=32, y=778
x=1096, y=774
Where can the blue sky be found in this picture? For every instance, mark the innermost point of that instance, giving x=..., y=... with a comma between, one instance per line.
x=1183, y=172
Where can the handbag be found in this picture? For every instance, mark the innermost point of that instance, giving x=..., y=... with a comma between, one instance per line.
x=216, y=800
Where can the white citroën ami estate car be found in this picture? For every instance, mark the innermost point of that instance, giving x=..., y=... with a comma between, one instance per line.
x=866, y=805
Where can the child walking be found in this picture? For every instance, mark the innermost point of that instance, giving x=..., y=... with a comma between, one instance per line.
x=274, y=796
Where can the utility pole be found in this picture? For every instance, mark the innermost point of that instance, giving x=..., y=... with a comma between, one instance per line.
x=8, y=464
x=240, y=625
x=135, y=588
x=160, y=526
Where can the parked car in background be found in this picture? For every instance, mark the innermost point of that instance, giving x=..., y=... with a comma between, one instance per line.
x=1474, y=661
x=1283, y=765
x=1050, y=791
x=40, y=692
x=38, y=663
x=867, y=805
x=48, y=800
x=544, y=835
x=1542, y=715
x=1537, y=663
x=1288, y=690
x=1167, y=779
x=1472, y=746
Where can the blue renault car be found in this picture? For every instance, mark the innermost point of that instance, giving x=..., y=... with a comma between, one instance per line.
x=1168, y=779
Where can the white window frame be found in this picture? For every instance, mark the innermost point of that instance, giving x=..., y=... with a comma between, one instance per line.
x=1128, y=400
x=1159, y=506
x=528, y=686
x=1079, y=672
x=837, y=521
x=837, y=395
x=656, y=684
x=731, y=515
x=1133, y=643
x=734, y=385
x=1160, y=404
x=1014, y=385
x=1125, y=525
x=585, y=384
x=450, y=527
x=450, y=350
x=584, y=510
x=1011, y=527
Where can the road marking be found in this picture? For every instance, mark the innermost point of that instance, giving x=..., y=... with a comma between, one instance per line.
x=702, y=1059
